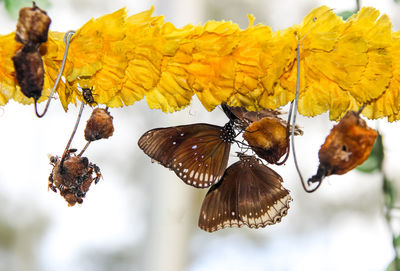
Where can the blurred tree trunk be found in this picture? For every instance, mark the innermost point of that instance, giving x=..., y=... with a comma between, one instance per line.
x=173, y=206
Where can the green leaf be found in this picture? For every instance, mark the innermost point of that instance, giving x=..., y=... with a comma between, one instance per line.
x=396, y=242
x=345, y=14
x=389, y=193
x=13, y=6
x=370, y=165
x=394, y=265
x=375, y=159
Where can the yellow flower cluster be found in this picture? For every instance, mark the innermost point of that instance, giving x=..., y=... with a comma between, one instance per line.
x=344, y=64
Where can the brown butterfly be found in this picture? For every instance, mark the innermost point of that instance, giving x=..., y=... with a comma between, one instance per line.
x=266, y=133
x=243, y=118
x=197, y=153
x=249, y=193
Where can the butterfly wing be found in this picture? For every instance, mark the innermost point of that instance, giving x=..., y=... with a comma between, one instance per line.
x=244, y=118
x=197, y=153
x=248, y=194
x=262, y=200
x=219, y=209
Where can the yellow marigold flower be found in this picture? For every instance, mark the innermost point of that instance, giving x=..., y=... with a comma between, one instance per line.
x=8, y=80
x=388, y=104
x=374, y=36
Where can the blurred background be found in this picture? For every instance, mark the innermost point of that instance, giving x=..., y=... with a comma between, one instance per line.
x=141, y=216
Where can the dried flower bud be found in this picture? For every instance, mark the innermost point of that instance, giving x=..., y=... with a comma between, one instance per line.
x=347, y=146
x=73, y=178
x=99, y=125
x=32, y=27
x=29, y=72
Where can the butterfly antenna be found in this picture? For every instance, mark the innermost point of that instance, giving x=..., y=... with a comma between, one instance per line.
x=239, y=132
x=293, y=124
x=241, y=143
x=65, y=154
x=67, y=39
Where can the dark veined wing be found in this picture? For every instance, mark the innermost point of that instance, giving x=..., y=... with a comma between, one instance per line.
x=249, y=193
x=197, y=153
x=266, y=133
x=244, y=118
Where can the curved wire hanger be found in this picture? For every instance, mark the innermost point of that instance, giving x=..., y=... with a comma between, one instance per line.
x=293, y=124
x=67, y=39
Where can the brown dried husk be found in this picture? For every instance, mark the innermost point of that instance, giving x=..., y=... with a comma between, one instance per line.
x=99, y=125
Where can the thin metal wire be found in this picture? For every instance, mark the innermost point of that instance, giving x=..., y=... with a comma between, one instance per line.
x=294, y=124
x=287, y=136
x=67, y=39
x=358, y=5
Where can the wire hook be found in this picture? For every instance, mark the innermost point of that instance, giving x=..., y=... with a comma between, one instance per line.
x=67, y=39
x=293, y=124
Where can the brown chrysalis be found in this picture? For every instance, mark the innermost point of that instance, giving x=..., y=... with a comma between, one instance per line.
x=268, y=138
x=347, y=146
x=32, y=27
x=29, y=72
x=99, y=125
x=32, y=30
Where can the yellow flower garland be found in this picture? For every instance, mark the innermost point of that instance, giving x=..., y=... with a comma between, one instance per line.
x=344, y=64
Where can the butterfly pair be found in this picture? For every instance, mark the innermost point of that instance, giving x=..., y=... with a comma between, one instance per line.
x=247, y=193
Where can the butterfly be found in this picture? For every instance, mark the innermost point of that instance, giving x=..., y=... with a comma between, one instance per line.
x=243, y=118
x=266, y=133
x=348, y=145
x=249, y=193
x=197, y=153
